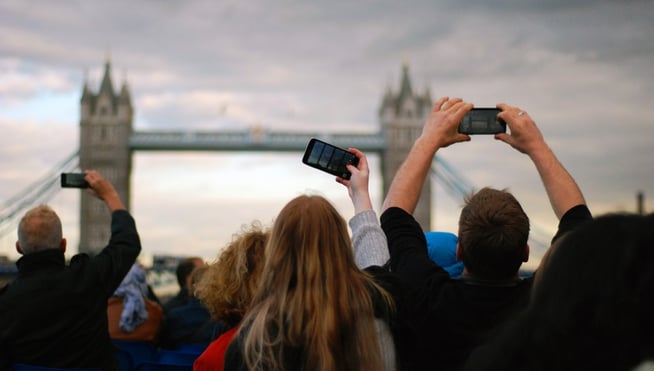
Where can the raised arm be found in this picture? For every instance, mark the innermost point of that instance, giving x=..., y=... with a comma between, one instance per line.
x=561, y=188
x=440, y=130
x=368, y=239
x=124, y=245
x=104, y=190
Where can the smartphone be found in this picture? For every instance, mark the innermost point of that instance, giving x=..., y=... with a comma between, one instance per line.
x=329, y=158
x=482, y=121
x=73, y=180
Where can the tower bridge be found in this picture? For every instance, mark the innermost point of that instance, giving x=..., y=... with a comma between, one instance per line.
x=107, y=142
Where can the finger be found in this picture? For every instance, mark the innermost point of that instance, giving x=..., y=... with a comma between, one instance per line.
x=461, y=108
x=504, y=137
x=356, y=152
x=353, y=169
x=363, y=160
x=464, y=138
x=503, y=106
x=451, y=103
x=439, y=103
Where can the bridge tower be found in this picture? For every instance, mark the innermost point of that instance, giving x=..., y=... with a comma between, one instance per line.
x=402, y=116
x=105, y=129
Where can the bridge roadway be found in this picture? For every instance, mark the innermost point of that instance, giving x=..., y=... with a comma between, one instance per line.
x=256, y=139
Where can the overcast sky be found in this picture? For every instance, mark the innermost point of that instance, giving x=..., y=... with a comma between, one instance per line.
x=584, y=70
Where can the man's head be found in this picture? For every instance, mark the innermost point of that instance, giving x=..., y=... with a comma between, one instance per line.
x=493, y=233
x=184, y=269
x=38, y=230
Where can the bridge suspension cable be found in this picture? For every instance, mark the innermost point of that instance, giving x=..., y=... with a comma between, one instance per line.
x=41, y=191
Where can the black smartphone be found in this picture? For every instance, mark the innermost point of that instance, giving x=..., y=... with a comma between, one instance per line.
x=329, y=158
x=482, y=121
x=73, y=180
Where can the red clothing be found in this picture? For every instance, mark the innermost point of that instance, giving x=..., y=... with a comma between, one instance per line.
x=213, y=358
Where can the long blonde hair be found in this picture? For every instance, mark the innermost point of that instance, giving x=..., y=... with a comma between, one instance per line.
x=312, y=297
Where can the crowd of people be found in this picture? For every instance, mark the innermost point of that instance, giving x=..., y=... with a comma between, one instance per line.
x=314, y=291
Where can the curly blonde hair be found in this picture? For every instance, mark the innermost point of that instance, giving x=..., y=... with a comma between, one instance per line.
x=227, y=286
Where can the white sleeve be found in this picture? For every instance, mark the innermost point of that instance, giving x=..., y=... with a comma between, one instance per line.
x=368, y=240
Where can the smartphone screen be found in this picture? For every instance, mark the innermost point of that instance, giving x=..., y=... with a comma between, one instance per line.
x=482, y=121
x=329, y=158
x=73, y=180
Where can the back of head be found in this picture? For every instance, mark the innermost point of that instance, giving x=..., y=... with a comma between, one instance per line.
x=603, y=269
x=493, y=234
x=227, y=286
x=185, y=267
x=311, y=287
x=39, y=229
x=309, y=245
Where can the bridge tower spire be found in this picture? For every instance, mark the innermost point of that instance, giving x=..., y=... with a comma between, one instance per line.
x=402, y=116
x=105, y=129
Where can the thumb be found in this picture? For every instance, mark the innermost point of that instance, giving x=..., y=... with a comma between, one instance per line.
x=504, y=137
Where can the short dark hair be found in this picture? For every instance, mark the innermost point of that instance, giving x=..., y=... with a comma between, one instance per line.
x=493, y=234
x=184, y=269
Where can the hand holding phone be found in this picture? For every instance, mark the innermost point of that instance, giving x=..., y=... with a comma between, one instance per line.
x=329, y=158
x=482, y=121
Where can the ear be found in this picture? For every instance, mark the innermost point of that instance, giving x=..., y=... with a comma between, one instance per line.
x=20, y=251
x=525, y=256
x=459, y=253
x=62, y=245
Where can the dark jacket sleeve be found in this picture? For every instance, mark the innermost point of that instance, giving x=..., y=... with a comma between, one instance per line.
x=572, y=218
x=115, y=260
x=408, y=249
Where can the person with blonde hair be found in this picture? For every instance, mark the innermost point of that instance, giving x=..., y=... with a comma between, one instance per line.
x=315, y=308
x=227, y=287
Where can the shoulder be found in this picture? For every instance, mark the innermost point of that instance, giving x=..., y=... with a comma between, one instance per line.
x=79, y=259
x=572, y=219
x=233, y=355
x=395, y=214
x=396, y=223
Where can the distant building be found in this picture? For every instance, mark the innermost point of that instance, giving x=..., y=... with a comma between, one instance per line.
x=166, y=262
x=105, y=129
x=8, y=270
x=402, y=116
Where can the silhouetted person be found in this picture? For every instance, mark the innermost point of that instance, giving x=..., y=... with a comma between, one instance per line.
x=314, y=307
x=55, y=314
x=591, y=305
x=183, y=274
x=191, y=323
x=452, y=316
x=227, y=289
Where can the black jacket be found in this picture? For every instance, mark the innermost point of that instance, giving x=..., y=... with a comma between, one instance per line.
x=56, y=315
x=448, y=317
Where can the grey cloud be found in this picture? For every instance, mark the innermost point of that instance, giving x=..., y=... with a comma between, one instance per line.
x=582, y=69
